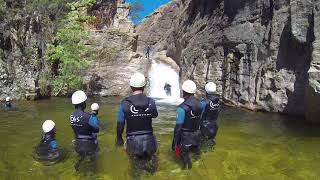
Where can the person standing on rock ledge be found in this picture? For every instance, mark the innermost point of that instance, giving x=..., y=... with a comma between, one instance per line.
x=84, y=125
x=147, y=51
x=137, y=111
x=186, y=136
x=211, y=108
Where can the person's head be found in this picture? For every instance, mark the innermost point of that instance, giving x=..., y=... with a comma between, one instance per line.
x=189, y=88
x=49, y=127
x=8, y=99
x=79, y=99
x=210, y=88
x=95, y=107
x=137, y=82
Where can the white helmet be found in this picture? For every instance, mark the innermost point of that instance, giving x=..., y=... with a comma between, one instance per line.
x=138, y=80
x=211, y=87
x=47, y=126
x=8, y=99
x=189, y=87
x=95, y=107
x=78, y=97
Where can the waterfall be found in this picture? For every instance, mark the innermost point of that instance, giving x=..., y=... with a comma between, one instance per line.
x=159, y=75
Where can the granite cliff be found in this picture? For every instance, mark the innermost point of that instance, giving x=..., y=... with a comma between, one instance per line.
x=263, y=54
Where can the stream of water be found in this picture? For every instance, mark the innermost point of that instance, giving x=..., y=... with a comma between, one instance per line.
x=249, y=145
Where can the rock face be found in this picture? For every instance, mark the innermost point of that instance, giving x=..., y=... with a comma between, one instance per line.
x=313, y=89
x=116, y=56
x=259, y=52
x=23, y=37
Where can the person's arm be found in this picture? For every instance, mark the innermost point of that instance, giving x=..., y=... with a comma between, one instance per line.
x=177, y=129
x=94, y=123
x=120, y=126
x=203, y=107
x=153, y=109
x=53, y=145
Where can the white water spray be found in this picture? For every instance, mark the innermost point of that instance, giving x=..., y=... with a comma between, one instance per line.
x=159, y=75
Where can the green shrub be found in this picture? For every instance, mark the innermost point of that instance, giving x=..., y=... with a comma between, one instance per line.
x=68, y=51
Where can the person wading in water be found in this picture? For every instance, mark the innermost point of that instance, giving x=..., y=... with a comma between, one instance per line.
x=137, y=111
x=186, y=135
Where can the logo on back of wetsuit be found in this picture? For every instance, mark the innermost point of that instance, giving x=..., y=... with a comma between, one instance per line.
x=214, y=106
x=193, y=115
x=74, y=120
x=139, y=113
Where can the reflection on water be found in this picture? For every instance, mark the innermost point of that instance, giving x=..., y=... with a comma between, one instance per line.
x=248, y=146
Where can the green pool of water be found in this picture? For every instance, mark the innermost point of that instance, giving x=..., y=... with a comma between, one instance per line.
x=248, y=146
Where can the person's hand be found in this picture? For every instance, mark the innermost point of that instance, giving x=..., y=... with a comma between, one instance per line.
x=173, y=146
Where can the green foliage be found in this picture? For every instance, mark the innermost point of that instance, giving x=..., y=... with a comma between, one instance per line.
x=68, y=51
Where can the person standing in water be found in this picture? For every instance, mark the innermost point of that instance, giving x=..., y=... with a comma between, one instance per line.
x=8, y=105
x=186, y=136
x=137, y=112
x=94, y=113
x=211, y=108
x=84, y=125
x=48, y=147
x=167, y=89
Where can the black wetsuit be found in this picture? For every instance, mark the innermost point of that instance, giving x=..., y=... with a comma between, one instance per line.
x=211, y=108
x=137, y=111
x=85, y=127
x=47, y=148
x=187, y=133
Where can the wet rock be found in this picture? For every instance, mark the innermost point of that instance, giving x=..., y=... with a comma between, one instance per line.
x=313, y=102
x=32, y=96
x=313, y=89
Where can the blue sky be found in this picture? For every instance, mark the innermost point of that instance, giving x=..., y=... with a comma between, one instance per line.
x=148, y=6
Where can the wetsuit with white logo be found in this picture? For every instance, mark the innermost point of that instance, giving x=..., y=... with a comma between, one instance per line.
x=137, y=111
x=186, y=131
x=85, y=127
x=211, y=108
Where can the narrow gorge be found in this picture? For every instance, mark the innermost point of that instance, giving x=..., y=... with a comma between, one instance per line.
x=263, y=54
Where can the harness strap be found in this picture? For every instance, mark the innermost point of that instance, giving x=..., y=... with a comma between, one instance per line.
x=139, y=133
x=83, y=137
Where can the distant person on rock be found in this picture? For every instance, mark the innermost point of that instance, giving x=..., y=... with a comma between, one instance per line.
x=137, y=111
x=147, y=51
x=84, y=125
x=167, y=89
x=211, y=108
x=186, y=132
x=47, y=149
x=8, y=105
